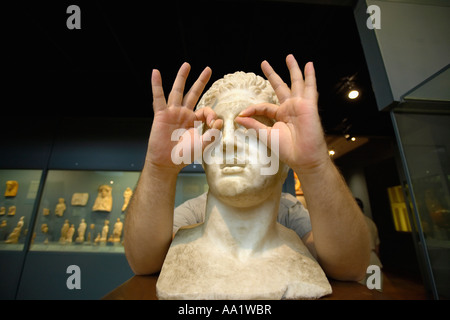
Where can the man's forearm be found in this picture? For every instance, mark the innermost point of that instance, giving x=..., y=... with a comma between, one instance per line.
x=149, y=220
x=341, y=236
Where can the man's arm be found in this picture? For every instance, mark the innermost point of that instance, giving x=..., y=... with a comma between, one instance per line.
x=339, y=233
x=149, y=220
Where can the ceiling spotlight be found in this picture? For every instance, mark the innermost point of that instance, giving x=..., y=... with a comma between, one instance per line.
x=347, y=86
x=349, y=137
x=331, y=152
x=353, y=94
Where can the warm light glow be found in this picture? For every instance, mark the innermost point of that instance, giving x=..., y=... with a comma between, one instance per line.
x=331, y=152
x=353, y=94
x=353, y=139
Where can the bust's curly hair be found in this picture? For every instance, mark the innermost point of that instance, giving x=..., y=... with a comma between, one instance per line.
x=260, y=87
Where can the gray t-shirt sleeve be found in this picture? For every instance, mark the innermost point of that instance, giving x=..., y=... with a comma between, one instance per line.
x=189, y=212
x=293, y=215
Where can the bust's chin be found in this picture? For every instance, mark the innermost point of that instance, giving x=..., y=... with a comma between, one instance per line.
x=241, y=194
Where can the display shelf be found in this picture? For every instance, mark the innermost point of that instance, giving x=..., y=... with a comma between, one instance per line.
x=105, y=248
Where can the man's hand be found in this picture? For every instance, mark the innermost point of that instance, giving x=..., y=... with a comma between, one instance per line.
x=302, y=144
x=176, y=113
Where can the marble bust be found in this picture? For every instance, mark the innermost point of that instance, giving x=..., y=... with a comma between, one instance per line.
x=240, y=251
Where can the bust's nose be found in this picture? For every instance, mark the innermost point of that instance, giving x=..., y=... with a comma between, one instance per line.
x=229, y=126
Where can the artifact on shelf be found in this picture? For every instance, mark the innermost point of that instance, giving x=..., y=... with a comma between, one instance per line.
x=12, y=211
x=104, y=200
x=70, y=232
x=44, y=230
x=117, y=231
x=126, y=198
x=79, y=199
x=105, y=231
x=81, y=231
x=15, y=234
x=64, y=230
x=12, y=186
x=60, y=207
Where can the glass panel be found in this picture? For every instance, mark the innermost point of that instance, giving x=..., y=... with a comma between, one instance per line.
x=425, y=141
x=83, y=211
x=18, y=191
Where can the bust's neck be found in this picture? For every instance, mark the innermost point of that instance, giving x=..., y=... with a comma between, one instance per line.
x=242, y=231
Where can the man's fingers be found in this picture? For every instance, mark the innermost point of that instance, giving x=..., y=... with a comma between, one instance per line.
x=296, y=76
x=251, y=123
x=281, y=89
x=263, y=109
x=191, y=98
x=159, y=101
x=176, y=95
x=208, y=116
x=310, y=91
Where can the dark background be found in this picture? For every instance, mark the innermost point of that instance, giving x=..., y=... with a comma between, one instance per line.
x=104, y=68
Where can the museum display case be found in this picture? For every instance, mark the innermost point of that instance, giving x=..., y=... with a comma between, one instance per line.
x=84, y=211
x=18, y=195
x=425, y=146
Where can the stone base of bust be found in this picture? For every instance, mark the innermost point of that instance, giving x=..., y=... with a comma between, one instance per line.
x=195, y=268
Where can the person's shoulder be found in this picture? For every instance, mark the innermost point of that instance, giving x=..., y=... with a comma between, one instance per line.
x=194, y=203
x=288, y=200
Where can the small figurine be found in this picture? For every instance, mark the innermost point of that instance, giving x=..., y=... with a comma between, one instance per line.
x=14, y=236
x=46, y=211
x=44, y=229
x=81, y=231
x=105, y=231
x=2, y=211
x=126, y=198
x=60, y=207
x=11, y=188
x=117, y=232
x=12, y=211
x=64, y=230
x=70, y=233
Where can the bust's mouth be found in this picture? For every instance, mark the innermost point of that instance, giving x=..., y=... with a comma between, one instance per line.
x=231, y=169
x=233, y=166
